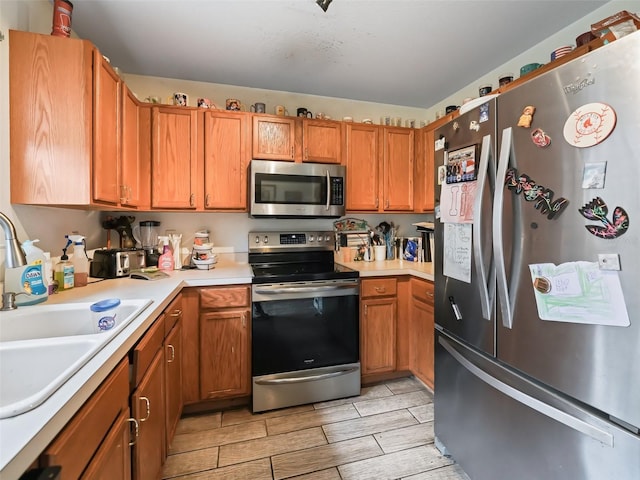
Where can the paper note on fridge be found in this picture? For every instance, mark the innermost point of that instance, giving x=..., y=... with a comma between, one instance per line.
x=456, y=202
x=456, y=259
x=579, y=292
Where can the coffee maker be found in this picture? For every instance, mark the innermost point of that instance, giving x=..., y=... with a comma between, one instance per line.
x=146, y=234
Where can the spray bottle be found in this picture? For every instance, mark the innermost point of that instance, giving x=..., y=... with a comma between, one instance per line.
x=63, y=273
x=80, y=261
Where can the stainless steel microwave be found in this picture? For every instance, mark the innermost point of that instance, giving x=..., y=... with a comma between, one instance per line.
x=296, y=190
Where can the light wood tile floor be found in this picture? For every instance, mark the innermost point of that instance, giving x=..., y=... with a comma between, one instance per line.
x=386, y=433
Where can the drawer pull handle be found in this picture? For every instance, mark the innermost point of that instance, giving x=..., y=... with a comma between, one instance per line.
x=429, y=294
x=146, y=400
x=380, y=289
x=173, y=353
x=176, y=313
x=136, y=431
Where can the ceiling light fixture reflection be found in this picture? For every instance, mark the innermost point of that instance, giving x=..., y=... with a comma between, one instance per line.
x=324, y=4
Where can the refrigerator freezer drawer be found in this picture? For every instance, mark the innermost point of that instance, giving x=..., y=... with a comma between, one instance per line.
x=497, y=424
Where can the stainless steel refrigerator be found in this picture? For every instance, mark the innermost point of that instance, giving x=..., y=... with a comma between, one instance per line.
x=537, y=276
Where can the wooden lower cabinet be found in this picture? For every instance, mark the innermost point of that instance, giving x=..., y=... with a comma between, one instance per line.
x=148, y=403
x=99, y=429
x=113, y=458
x=422, y=328
x=224, y=354
x=173, y=367
x=378, y=308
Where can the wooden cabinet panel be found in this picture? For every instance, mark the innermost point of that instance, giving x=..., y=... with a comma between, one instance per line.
x=398, y=158
x=174, y=157
x=362, y=163
x=81, y=438
x=322, y=141
x=51, y=125
x=226, y=157
x=378, y=287
x=424, y=170
x=224, y=354
x=113, y=459
x=135, y=171
x=422, y=320
x=378, y=335
x=273, y=138
x=191, y=346
x=225, y=297
x=106, y=131
x=173, y=379
x=146, y=349
x=148, y=408
x=403, y=325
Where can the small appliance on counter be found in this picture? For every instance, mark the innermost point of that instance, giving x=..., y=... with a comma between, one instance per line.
x=146, y=234
x=116, y=262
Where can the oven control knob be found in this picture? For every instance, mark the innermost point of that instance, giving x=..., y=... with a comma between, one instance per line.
x=312, y=238
x=257, y=239
x=327, y=238
x=266, y=239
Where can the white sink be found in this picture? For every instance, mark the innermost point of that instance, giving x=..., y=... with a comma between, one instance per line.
x=42, y=347
x=61, y=320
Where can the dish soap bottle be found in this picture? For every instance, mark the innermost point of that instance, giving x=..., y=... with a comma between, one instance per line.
x=29, y=279
x=165, y=262
x=80, y=261
x=63, y=273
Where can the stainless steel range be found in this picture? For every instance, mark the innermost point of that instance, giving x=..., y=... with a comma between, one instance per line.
x=305, y=329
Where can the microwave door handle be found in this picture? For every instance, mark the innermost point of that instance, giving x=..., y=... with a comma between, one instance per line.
x=326, y=207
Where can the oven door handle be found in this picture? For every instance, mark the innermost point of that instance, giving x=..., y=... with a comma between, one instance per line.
x=305, y=378
x=274, y=290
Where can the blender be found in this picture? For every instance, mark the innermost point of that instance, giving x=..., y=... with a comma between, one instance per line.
x=147, y=235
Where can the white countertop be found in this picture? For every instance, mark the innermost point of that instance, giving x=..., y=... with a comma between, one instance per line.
x=25, y=436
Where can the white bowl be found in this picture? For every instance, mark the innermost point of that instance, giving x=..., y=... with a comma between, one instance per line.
x=204, y=246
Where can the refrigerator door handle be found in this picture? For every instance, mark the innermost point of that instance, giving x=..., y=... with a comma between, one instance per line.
x=558, y=415
x=507, y=301
x=487, y=288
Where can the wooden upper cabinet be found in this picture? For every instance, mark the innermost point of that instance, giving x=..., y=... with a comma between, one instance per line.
x=273, y=137
x=51, y=125
x=424, y=171
x=135, y=163
x=296, y=139
x=226, y=157
x=174, y=157
x=398, y=158
x=106, y=131
x=362, y=163
x=321, y=141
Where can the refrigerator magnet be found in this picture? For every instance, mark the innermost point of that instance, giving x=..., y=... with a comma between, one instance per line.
x=589, y=125
x=597, y=209
x=594, y=174
x=527, y=116
x=540, y=138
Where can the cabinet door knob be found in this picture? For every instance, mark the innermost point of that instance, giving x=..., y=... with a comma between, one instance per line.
x=292, y=152
x=146, y=400
x=173, y=353
x=206, y=200
x=192, y=199
x=377, y=202
x=387, y=204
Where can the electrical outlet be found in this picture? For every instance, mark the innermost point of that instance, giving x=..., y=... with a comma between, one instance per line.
x=609, y=261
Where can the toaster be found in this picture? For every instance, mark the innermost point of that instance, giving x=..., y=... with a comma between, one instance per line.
x=116, y=262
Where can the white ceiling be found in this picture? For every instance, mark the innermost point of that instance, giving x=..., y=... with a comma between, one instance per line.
x=401, y=52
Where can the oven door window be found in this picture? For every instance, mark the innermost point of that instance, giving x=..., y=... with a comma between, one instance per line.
x=299, y=334
x=290, y=189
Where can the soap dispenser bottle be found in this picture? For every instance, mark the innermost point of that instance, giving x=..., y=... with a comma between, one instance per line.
x=63, y=273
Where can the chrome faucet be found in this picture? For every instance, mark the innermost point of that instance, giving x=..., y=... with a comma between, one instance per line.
x=15, y=256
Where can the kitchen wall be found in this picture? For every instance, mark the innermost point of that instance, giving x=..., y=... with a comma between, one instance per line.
x=50, y=224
